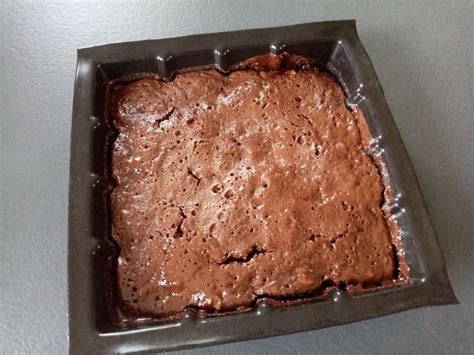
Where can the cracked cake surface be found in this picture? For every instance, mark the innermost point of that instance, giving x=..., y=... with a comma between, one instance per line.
x=231, y=188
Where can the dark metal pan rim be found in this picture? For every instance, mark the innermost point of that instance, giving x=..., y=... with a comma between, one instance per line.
x=340, y=49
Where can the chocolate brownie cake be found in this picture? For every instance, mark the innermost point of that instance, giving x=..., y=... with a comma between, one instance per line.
x=235, y=188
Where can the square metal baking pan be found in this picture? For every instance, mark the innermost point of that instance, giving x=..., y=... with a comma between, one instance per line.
x=337, y=48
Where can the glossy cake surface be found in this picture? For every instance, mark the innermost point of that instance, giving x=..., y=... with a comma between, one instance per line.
x=234, y=188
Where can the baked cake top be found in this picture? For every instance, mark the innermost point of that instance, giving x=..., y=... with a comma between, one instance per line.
x=234, y=188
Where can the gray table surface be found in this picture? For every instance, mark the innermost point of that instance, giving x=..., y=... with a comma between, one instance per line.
x=423, y=54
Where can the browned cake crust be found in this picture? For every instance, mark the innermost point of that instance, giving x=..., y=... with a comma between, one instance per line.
x=233, y=188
